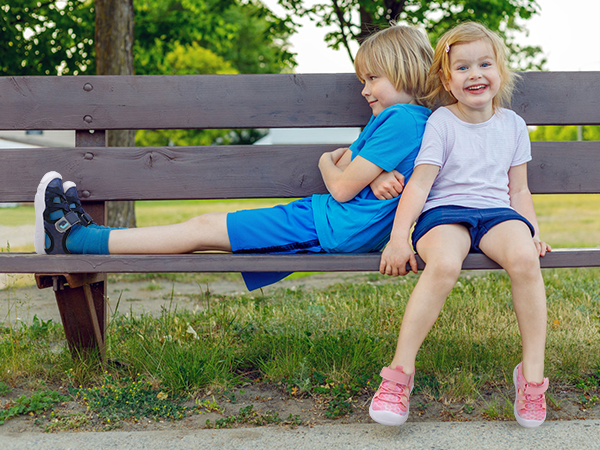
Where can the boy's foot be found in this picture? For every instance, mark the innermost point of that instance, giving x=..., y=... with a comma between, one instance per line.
x=391, y=401
x=53, y=218
x=530, y=401
x=75, y=204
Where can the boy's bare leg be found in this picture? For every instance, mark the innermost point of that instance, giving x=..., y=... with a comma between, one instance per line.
x=510, y=245
x=205, y=232
x=443, y=249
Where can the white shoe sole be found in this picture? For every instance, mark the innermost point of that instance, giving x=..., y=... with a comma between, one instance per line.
x=39, y=241
x=387, y=417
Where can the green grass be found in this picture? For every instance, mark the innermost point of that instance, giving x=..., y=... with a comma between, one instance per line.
x=20, y=215
x=331, y=343
x=569, y=221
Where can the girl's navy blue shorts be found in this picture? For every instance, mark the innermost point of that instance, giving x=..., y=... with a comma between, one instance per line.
x=477, y=221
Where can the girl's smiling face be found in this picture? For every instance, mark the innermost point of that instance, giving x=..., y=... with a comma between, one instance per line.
x=474, y=79
x=381, y=93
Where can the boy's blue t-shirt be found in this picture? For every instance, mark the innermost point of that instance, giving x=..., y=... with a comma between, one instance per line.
x=391, y=141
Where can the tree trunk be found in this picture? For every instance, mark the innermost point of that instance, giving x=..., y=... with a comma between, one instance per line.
x=114, y=56
x=393, y=9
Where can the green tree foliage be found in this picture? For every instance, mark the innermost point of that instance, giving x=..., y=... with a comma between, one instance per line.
x=245, y=34
x=567, y=133
x=46, y=37
x=193, y=59
x=355, y=19
x=49, y=37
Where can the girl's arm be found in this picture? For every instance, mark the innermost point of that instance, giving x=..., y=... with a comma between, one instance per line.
x=522, y=202
x=344, y=178
x=398, y=251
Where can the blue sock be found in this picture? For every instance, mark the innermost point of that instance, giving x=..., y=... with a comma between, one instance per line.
x=88, y=241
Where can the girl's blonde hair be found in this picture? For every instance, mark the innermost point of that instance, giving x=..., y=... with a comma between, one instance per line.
x=402, y=54
x=466, y=33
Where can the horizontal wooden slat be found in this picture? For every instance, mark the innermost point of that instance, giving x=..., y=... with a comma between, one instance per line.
x=167, y=173
x=221, y=262
x=147, y=173
x=564, y=167
x=250, y=101
x=558, y=98
x=181, y=101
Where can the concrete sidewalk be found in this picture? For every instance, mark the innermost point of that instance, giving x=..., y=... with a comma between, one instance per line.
x=576, y=435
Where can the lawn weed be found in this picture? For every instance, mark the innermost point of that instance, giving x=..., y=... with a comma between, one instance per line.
x=36, y=403
x=129, y=399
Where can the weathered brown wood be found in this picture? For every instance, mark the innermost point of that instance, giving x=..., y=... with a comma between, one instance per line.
x=564, y=167
x=240, y=171
x=181, y=101
x=249, y=101
x=90, y=138
x=84, y=321
x=73, y=280
x=558, y=98
x=220, y=262
x=163, y=173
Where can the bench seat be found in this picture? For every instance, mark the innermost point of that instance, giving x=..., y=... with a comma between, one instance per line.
x=224, y=262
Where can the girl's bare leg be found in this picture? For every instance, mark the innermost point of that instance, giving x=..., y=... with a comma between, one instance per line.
x=510, y=245
x=205, y=232
x=443, y=249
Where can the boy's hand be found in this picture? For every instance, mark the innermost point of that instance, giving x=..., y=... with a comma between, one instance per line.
x=541, y=246
x=394, y=259
x=388, y=185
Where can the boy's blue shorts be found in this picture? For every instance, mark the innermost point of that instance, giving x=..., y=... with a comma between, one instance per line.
x=288, y=228
x=477, y=221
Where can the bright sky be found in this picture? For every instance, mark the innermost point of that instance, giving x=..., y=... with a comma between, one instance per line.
x=568, y=32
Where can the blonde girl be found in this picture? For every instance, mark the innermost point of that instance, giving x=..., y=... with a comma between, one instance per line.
x=469, y=192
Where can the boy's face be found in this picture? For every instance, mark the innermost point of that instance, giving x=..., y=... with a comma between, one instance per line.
x=381, y=93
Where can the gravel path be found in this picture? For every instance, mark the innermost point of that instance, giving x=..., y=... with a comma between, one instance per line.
x=576, y=435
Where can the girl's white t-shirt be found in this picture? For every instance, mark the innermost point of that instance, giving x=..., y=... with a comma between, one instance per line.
x=474, y=159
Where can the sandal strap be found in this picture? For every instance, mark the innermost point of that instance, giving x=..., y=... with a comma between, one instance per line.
x=536, y=389
x=396, y=376
x=85, y=218
x=66, y=222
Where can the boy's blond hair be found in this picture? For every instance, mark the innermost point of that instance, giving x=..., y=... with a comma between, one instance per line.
x=402, y=54
x=466, y=33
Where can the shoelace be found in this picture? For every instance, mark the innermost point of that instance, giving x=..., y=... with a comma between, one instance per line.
x=533, y=404
x=385, y=390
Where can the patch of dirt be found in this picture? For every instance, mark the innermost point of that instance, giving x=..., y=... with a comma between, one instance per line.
x=269, y=401
x=151, y=297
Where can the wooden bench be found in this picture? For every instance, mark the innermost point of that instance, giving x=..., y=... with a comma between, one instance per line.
x=90, y=105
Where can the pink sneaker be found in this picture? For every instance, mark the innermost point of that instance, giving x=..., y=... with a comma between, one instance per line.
x=530, y=401
x=390, y=403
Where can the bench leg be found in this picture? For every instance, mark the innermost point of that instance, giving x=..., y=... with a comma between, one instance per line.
x=82, y=304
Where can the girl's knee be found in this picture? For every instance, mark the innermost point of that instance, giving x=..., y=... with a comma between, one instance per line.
x=444, y=269
x=523, y=263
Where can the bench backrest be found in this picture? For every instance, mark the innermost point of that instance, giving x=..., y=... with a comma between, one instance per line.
x=92, y=104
